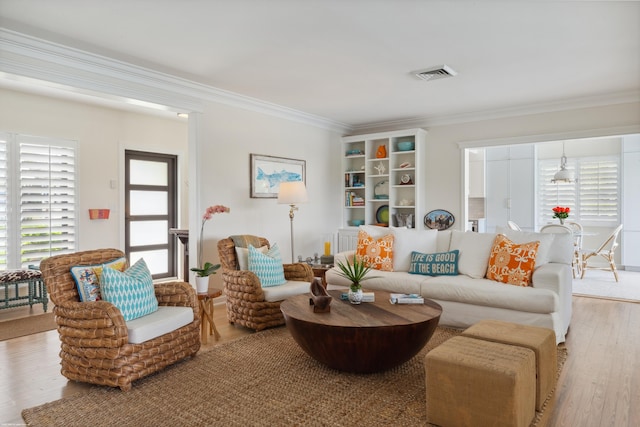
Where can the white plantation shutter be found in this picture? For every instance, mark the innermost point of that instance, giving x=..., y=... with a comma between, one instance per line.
x=593, y=199
x=599, y=183
x=47, y=202
x=4, y=201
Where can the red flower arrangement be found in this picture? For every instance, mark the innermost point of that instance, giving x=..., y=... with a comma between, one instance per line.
x=561, y=212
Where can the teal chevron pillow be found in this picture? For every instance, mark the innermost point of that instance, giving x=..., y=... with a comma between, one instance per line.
x=131, y=291
x=268, y=266
x=438, y=264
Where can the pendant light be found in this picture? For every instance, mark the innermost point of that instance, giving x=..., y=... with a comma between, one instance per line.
x=563, y=175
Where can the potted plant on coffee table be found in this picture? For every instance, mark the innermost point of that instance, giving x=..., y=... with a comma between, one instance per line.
x=354, y=272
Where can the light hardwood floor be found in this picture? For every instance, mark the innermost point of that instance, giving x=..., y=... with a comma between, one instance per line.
x=599, y=385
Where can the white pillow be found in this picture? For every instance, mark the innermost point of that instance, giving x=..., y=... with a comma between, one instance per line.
x=475, y=249
x=562, y=248
x=518, y=237
x=407, y=240
x=243, y=256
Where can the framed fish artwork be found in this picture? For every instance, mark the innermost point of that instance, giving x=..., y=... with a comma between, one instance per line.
x=267, y=172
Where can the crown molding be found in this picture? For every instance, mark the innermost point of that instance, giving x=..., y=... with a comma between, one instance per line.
x=502, y=113
x=33, y=60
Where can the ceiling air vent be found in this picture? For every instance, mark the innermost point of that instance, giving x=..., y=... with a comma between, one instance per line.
x=433, y=73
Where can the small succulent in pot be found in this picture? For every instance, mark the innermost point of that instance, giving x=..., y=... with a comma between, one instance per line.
x=354, y=272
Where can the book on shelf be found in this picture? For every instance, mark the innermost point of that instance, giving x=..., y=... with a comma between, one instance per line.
x=406, y=299
x=352, y=199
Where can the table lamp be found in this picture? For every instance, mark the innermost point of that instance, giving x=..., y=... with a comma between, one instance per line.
x=292, y=193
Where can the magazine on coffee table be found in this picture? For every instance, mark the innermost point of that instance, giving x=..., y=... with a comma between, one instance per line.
x=406, y=299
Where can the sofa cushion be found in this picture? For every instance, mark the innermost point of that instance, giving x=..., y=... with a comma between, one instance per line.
x=376, y=253
x=160, y=322
x=87, y=278
x=437, y=264
x=267, y=266
x=489, y=293
x=288, y=289
x=474, y=252
x=391, y=281
x=407, y=240
x=512, y=263
x=131, y=291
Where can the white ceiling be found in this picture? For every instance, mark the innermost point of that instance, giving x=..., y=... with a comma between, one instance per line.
x=350, y=61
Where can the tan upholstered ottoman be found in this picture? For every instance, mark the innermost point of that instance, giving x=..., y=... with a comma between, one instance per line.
x=472, y=382
x=541, y=340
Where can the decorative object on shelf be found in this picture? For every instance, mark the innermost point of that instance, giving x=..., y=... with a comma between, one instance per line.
x=320, y=299
x=382, y=214
x=356, y=222
x=405, y=202
x=381, y=152
x=378, y=191
x=292, y=193
x=405, y=165
x=404, y=220
x=563, y=175
x=206, y=269
x=354, y=272
x=355, y=152
x=439, y=219
x=406, y=145
x=380, y=168
x=99, y=213
x=268, y=172
x=561, y=213
x=405, y=179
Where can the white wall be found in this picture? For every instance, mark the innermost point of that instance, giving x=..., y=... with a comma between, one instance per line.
x=229, y=136
x=102, y=135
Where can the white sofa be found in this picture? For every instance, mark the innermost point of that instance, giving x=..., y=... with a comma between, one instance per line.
x=469, y=297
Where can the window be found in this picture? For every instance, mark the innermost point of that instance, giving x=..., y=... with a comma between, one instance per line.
x=593, y=198
x=38, y=200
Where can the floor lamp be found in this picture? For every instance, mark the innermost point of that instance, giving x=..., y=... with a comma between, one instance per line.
x=292, y=193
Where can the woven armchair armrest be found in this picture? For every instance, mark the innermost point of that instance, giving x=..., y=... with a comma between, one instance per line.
x=91, y=324
x=176, y=294
x=299, y=271
x=242, y=284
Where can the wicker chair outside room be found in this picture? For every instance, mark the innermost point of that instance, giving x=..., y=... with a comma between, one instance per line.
x=94, y=336
x=246, y=303
x=606, y=250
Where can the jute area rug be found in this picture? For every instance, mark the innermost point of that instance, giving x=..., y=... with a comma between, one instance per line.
x=26, y=326
x=263, y=379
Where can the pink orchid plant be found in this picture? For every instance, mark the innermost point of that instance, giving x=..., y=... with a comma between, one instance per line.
x=207, y=268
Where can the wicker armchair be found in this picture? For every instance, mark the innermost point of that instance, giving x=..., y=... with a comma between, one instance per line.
x=246, y=303
x=93, y=335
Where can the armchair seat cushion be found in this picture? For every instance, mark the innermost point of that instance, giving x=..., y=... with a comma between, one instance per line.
x=288, y=289
x=166, y=319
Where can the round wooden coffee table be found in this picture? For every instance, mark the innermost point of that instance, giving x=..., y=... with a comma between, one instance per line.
x=370, y=337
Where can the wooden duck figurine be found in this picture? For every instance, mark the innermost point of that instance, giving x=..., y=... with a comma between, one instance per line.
x=320, y=299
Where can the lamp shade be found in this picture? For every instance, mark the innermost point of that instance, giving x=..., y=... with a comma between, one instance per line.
x=292, y=192
x=563, y=175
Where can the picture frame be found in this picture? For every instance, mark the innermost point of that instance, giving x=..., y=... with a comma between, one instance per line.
x=439, y=219
x=267, y=172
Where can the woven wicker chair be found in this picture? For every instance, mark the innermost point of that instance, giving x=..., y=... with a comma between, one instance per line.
x=93, y=335
x=246, y=305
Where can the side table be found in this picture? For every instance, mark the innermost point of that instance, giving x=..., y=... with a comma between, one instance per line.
x=319, y=270
x=207, y=326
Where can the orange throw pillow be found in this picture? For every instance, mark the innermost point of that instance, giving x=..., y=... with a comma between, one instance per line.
x=512, y=263
x=376, y=253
